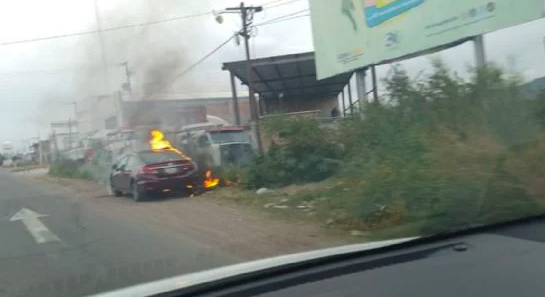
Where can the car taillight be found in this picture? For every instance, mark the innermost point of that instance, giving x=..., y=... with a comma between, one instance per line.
x=148, y=170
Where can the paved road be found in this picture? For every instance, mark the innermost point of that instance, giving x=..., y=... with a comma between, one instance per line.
x=76, y=250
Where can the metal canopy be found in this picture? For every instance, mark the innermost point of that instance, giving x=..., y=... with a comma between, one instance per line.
x=291, y=75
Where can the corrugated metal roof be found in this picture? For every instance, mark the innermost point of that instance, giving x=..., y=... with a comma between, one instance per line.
x=291, y=75
x=222, y=96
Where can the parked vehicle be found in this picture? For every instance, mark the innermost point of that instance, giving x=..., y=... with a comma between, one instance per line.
x=144, y=173
x=217, y=146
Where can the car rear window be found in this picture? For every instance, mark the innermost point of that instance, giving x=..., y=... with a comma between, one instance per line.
x=157, y=157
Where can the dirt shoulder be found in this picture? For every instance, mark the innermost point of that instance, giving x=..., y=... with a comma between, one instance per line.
x=215, y=218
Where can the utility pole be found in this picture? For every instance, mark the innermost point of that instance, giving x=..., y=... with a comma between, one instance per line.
x=128, y=77
x=70, y=133
x=76, y=119
x=103, y=59
x=40, y=151
x=247, y=15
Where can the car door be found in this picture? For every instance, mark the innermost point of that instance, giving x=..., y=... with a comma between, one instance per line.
x=128, y=171
x=117, y=173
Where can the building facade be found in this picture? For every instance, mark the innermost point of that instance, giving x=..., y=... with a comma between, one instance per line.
x=112, y=112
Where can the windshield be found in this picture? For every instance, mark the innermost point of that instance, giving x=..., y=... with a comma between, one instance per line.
x=363, y=121
x=158, y=157
x=228, y=136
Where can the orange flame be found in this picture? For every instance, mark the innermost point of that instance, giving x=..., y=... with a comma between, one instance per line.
x=210, y=181
x=158, y=142
x=231, y=183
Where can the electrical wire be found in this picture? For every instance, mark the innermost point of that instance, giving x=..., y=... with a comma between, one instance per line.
x=271, y=2
x=282, y=4
x=144, y=24
x=4, y=75
x=190, y=68
x=280, y=18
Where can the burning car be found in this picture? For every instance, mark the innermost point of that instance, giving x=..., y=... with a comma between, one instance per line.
x=160, y=169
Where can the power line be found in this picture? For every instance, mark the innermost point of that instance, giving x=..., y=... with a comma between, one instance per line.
x=48, y=71
x=193, y=66
x=144, y=24
x=280, y=18
x=282, y=4
x=283, y=20
x=271, y=2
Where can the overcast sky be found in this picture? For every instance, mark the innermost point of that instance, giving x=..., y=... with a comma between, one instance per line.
x=39, y=79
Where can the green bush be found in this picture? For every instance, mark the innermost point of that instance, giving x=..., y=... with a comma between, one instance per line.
x=70, y=169
x=438, y=152
x=435, y=146
x=309, y=155
x=64, y=168
x=234, y=176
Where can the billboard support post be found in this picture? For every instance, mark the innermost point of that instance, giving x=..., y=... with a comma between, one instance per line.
x=479, y=51
x=360, y=87
x=343, y=102
x=375, y=84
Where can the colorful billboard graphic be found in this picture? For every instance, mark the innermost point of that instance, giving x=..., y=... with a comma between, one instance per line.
x=364, y=32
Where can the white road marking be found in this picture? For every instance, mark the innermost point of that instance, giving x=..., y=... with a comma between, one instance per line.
x=35, y=227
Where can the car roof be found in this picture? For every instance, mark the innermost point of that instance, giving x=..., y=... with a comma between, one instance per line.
x=154, y=151
x=226, y=129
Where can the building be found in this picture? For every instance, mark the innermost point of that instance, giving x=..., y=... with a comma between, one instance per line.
x=287, y=84
x=112, y=112
x=176, y=113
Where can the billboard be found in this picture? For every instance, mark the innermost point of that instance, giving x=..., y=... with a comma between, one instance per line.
x=350, y=34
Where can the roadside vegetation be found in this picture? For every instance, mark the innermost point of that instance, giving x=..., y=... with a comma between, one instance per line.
x=434, y=153
x=70, y=169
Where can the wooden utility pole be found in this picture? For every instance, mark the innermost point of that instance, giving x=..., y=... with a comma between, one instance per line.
x=128, y=77
x=247, y=15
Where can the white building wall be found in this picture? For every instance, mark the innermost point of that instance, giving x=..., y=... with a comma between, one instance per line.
x=95, y=111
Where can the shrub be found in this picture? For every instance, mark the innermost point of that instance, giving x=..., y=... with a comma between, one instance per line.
x=439, y=150
x=309, y=155
x=71, y=169
x=234, y=176
x=64, y=168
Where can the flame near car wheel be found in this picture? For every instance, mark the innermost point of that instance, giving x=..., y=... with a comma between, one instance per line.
x=211, y=180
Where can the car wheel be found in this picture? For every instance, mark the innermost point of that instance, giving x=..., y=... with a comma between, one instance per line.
x=189, y=192
x=114, y=191
x=137, y=195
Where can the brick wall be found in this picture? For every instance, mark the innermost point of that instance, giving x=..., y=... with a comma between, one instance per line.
x=170, y=109
x=225, y=110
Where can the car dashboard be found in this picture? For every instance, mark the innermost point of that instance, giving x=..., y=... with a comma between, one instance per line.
x=501, y=261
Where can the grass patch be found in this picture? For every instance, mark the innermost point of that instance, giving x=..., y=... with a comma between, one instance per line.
x=28, y=168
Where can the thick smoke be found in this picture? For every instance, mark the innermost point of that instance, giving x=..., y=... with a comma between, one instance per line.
x=156, y=54
x=159, y=52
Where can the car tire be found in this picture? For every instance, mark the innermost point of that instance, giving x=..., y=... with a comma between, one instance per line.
x=114, y=191
x=137, y=195
x=188, y=193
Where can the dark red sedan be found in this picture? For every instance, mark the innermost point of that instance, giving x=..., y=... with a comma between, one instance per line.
x=153, y=172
